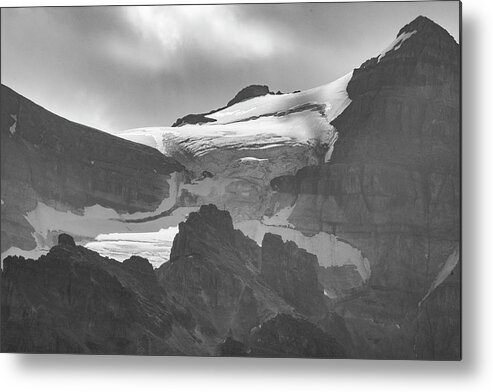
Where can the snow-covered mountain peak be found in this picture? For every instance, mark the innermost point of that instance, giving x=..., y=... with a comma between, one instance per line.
x=258, y=127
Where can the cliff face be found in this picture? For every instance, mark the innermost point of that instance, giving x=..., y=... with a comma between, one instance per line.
x=67, y=166
x=392, y=187
x=439, y=320
x=292, y=273
x=231, y=284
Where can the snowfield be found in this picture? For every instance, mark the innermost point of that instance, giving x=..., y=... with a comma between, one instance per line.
x=333, y=96
x=154, y=246
x=396, y=44
x=256, y=124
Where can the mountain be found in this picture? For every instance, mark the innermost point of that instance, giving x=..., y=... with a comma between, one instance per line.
x=337, y=206
x=394, y=178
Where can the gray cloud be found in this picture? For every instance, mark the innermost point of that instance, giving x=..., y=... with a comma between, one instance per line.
x=116, y=68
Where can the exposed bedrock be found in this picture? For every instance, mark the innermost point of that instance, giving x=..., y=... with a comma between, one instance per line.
x=192, y=119
x=255, y=90
x=74, y=301
x=231, y=283
x=392, y=188
x=246, y=93
x=68, y=166
x=292, y=273
x=439, y=320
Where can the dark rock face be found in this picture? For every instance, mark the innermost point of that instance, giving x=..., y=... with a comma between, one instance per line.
x=232, y=348
x=246, y=93
x=213, y=271
x=74, y=301
x=405, y=106
x=341, y=280
x=65, y=239
x=292, y=273
x=231, y=285
x=139, y=265
x=192, y=119
x=439, y=320
x=285, y=336
x=392, y=187
x=249, y=92
x=45, y=158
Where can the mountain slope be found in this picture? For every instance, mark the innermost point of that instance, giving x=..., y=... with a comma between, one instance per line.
x=57, y=175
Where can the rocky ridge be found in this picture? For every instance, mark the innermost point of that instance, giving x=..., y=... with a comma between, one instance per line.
x=212, y=289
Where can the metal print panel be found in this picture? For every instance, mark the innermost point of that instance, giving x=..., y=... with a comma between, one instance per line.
x=268, y=180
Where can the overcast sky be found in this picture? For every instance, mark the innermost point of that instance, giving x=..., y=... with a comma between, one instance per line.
x=116, y=68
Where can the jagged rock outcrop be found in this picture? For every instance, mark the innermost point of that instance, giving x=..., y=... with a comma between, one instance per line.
x=74, y=301
x=211, y=298
x=249, y=92
x=231, y=284
x=193, y=119
x=292, y=273
x=213, y=271
x=66, y=240
x=340, y=281
x=68, y=166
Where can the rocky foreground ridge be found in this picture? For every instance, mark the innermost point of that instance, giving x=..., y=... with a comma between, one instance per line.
x=219, y=287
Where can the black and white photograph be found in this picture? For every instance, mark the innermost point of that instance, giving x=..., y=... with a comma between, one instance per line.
x=233, y=180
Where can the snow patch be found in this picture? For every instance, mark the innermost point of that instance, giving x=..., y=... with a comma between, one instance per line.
x=12, y=128
x=95, y=220
x=280, y=219
x=109, y=233
x=396, y=44
x=329, y=250
x=253, y=159
x=444, y=272
x=330, y=294
x=154, y=246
